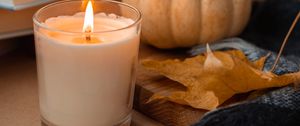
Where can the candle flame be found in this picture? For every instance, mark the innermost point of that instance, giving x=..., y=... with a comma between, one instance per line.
x=88, y=25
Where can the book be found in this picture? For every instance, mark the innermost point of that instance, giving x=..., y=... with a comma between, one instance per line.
x=16, y=17
x=21, y=4
x=16, y=23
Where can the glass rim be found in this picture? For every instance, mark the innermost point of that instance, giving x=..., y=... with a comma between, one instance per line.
x=40, y=24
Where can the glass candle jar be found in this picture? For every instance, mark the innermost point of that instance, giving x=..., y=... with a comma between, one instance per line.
x=86, y=82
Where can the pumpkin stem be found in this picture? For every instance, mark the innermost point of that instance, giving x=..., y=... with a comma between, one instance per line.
x=285, y=41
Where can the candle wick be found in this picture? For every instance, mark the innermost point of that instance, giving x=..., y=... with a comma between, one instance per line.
x=88, y=35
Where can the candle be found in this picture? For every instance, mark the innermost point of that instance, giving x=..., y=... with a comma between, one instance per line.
x=86, y=65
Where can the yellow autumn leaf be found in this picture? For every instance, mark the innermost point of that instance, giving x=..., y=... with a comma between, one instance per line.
x=213, y=78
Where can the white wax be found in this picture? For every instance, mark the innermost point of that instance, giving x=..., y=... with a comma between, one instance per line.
x=86, y=84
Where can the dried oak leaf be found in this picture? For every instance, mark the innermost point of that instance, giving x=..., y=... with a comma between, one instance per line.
x=213, y=78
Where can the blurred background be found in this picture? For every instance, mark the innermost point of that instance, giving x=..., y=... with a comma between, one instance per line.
x=269, y=23
x=267, y=27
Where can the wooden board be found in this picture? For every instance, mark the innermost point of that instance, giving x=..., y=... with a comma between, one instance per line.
x=167, y=113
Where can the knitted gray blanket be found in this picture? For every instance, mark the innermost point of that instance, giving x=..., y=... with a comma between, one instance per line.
x=269, y=23
x=280, y=107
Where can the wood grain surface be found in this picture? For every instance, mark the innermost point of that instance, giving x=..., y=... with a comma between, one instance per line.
x=168, y=113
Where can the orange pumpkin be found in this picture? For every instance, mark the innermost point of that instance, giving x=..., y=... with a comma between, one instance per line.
x=184, y=23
